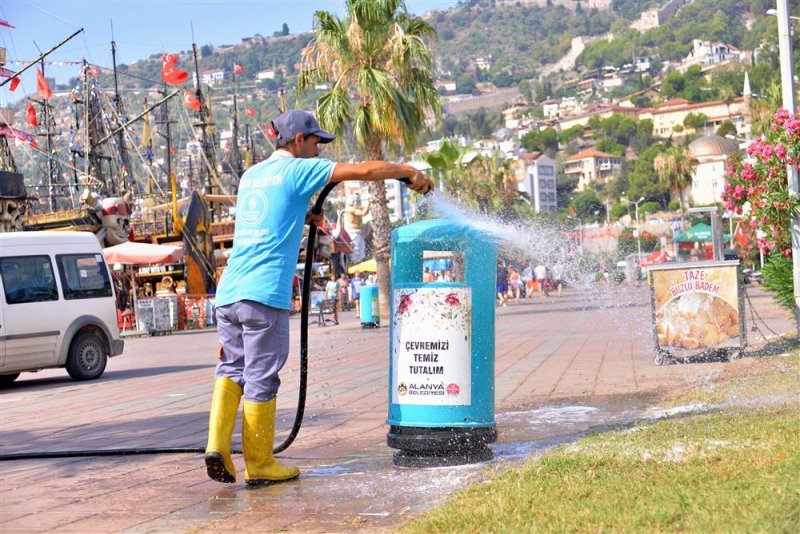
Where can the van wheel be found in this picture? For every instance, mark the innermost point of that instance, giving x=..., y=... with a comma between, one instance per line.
x=8, y=379
x=87, y=357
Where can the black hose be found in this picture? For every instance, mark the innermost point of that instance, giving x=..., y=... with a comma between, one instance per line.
x=301, y=400
x=301, y=397
x=304, y=297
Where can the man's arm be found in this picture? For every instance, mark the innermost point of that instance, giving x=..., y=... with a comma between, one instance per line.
x=373, y=171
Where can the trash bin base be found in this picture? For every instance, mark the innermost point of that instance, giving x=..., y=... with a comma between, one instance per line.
x=415, y=459
x=371, y=325
x=440, y=447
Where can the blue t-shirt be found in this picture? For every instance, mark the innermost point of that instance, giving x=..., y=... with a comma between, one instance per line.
x=271, y=207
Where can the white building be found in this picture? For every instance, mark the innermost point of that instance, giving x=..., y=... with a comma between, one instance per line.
x=212, y=77
x=592, y=166
x=708, y=175
x=268, y=74
x=536, y=176
x=707, y=53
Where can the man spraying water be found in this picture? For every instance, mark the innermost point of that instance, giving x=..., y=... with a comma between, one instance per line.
x=254, y=294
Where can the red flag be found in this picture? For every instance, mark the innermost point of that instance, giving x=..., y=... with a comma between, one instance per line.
x=8, y=131
x=14, y=83
x=250, y=112
x=572, y=210
x=6, y=24
x=169, y=59
x=238, y=69
x=93, y=71
x=32, y=116
x=41, y=85
x=173, y=75
x=190, y=101
x=172, y=149
x=270, y=131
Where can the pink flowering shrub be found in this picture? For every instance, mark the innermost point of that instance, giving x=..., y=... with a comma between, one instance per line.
x=762, y=186
x=760, y=191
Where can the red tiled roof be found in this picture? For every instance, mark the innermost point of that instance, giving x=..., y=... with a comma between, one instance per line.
x=658, y=110
x=530, y=156
x=590, y=153
x=672, y=102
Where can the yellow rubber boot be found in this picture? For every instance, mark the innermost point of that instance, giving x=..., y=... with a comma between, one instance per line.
x=258, y=437
x=221, y=420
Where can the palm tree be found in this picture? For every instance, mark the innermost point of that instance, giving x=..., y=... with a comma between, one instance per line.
x=765, y=107
x=380, y=71
x=446, y=164
x=483, y=182
x=674, y=166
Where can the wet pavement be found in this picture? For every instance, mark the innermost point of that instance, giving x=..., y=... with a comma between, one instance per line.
x=563, y=367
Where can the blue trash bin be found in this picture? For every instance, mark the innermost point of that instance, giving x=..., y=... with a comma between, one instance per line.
x=370, y=310
x=441, y=371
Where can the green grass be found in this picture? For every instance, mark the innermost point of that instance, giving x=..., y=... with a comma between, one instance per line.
x=733, y=470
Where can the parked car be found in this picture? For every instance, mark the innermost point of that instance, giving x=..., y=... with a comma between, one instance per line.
x=57, y=306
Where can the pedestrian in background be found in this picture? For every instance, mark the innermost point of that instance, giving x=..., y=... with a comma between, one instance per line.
x=530, y=281
x=514, y=279
x=502, y=283
x=540, y=272
x=558, y=277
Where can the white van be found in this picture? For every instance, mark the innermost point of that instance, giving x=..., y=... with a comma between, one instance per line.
x=57, y=306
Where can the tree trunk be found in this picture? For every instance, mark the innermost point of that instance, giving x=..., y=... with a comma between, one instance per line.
x=381, y=245
x=381, y=236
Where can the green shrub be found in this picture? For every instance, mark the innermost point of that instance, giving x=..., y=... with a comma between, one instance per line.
x=650, y=207
x=777, y=274
x=617, y=276
x=674, y=205
x=618, y=211
x=626, y=243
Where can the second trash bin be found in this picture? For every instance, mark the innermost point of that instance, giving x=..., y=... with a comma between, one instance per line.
x=370, y=311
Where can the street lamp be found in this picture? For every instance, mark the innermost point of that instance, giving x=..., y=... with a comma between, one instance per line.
x=638, y=233
x=774, y=13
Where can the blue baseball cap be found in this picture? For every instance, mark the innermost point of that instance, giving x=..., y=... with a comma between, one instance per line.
x=298, y=121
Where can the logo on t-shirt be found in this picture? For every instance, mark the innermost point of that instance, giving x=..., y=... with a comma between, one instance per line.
x=254, y=210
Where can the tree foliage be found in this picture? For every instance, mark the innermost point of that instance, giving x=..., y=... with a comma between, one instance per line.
x=378, y=64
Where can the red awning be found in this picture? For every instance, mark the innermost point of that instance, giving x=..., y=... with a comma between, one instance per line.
x=142, y=253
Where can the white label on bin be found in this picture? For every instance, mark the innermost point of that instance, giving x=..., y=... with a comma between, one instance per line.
x=431, y=346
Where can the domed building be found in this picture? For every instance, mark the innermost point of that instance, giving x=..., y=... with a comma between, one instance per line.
x=710, y=154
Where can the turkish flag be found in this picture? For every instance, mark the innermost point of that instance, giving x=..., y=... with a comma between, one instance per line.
x=169, y=59
x=14, y=83
x=238, y=69
x=173, y=75
x=250, y=112
x=270, y=131
x=6, y=24
x=172, y=150
x=190, y=101
x=41, y=85
x=32, y=116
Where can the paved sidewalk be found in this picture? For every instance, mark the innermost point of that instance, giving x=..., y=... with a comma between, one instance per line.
x=562, y=366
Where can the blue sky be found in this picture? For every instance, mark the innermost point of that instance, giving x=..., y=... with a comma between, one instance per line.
x=146, y=27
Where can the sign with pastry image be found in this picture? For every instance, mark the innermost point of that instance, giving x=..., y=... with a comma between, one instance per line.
x=696, y=308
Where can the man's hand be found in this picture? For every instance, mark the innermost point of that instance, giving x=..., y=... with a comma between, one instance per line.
x=420, y=183
x=316, y=218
